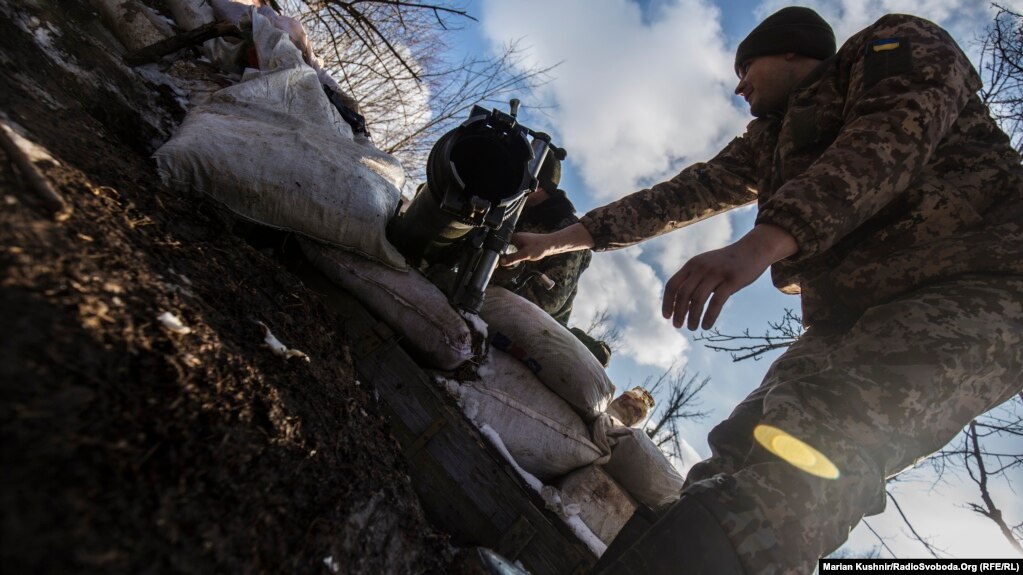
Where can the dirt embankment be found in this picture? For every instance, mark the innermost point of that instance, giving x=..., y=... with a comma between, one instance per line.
x=129, y=448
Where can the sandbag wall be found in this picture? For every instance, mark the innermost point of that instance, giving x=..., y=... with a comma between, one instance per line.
x=273, y=150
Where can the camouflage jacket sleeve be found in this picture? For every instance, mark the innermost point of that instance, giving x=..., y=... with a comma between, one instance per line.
x=896, y=114
x=698, y=192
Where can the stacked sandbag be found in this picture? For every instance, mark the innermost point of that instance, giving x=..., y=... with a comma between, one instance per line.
x=637, y=464
x=604, y=506
x=555, y=356
x=274, y=151
x=406, y=301
x=190, y=14
x=134, y=24
x=226, y=54
x=541, y=432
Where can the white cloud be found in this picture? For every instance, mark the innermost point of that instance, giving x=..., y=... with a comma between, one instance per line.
x=848, y=17
x=670, y=251
x=633, y=101
x=631, y=293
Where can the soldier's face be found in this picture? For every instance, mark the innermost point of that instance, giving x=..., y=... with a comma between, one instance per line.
x=765, y=82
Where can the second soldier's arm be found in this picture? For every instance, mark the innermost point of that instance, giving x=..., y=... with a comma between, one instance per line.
x=698, y=192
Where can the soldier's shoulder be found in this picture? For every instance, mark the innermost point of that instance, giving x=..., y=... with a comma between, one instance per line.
x=895, y=25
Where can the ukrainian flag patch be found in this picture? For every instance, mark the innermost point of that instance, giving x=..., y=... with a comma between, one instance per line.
x=885, y=44
x=885, y=58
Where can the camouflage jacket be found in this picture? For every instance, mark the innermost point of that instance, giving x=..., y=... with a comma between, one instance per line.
x=886, y=167
x=564, y=269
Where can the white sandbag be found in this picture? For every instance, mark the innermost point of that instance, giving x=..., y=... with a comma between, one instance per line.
x=239, y=13
x=544, y=435
x=190, y=14
x=603, y=505
x=639, y=466
x=274, y=151
x=224, y=53
x=406, y=301
x=556, y=356
x=134, y=24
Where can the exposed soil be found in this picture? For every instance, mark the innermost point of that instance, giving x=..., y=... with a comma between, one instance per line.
x=130, y=448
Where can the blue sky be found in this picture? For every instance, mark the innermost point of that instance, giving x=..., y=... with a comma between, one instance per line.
x=643, y=89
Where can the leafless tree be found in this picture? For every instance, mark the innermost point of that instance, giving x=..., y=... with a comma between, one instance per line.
x=1001, y=64
x=392, y=56
x=603, y=328
x=680, y=401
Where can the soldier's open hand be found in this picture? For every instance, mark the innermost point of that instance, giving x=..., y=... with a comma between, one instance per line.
x=717, y=274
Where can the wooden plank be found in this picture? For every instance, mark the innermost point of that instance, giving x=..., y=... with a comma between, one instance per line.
x=463, y=482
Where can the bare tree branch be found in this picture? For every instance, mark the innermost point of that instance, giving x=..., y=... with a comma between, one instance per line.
x=1001, y=65
x=879, y=538
x=680, y=402
x=603, y=328
x=780, y=334
x=916, y=535
x=391, y=57
x=989, y=509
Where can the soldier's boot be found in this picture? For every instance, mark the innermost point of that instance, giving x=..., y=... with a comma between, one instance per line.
x=687, y=539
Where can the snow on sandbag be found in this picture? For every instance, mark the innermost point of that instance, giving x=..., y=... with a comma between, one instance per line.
x=637, y=464
x=556, y=356
x=603, y=505
x=542, y=432
x=406, y=301
x=275, y=151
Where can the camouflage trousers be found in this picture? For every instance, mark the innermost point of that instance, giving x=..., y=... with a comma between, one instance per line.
x=874, y=398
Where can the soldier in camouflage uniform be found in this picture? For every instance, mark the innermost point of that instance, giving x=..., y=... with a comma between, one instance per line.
x=548, y=209
x=893, y=204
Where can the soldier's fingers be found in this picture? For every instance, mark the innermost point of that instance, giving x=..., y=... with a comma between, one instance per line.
x=511, y=259
x=698, y=299
x=671, y=292
x=681, y=308
x=717, y=302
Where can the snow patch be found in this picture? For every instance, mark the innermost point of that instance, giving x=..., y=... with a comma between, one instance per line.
x=279, y=348
x=495, y=440
x=475, y=323
x=173, y=323
x=35, y=152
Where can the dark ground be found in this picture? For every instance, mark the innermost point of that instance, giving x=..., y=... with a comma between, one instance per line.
x=128, y=448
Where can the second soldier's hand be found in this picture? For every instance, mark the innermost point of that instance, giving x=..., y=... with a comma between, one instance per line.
x=717, y=274
x=532, y=247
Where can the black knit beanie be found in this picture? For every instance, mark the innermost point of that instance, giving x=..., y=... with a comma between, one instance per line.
x=793, y=29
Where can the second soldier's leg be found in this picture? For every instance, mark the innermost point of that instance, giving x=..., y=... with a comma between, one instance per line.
x=899, y=384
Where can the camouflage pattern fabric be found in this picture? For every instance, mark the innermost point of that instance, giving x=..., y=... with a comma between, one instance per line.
x=564, y=270
x=885, y=167
x=874, y=398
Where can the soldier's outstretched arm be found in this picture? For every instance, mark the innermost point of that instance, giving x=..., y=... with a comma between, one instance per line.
x=532, y=247
x=720, y=273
